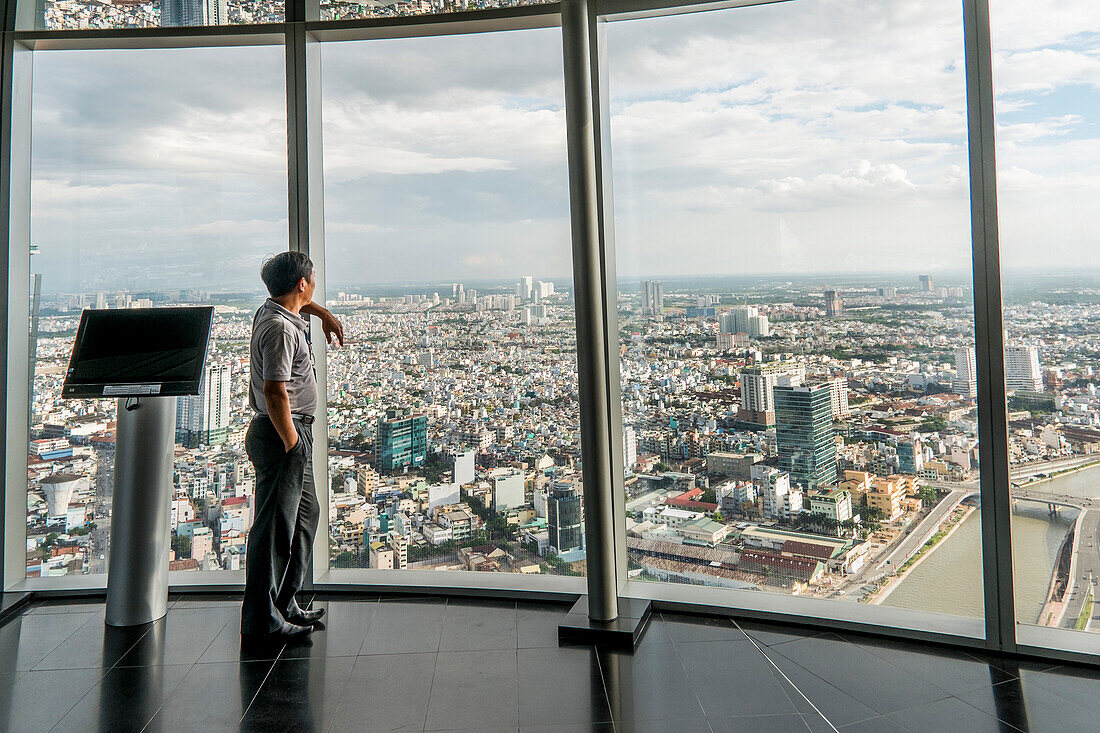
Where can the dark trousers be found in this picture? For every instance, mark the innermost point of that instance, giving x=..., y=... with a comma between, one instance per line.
x=284, y=523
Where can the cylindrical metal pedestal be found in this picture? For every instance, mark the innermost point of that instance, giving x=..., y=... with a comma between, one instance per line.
x=137, y=572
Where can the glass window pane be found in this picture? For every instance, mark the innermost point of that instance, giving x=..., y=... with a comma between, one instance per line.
x=149, y=186
x=453, y=417
x=69, y=15
x=1047, y=96
x=796, y=302
x=350, y=9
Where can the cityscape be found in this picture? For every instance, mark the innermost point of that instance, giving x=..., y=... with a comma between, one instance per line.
x=792, y=436
x=83, y=14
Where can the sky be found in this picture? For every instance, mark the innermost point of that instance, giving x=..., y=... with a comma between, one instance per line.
x=808, y=136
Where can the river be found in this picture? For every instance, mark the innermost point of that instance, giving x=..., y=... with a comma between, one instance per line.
x=950, y=579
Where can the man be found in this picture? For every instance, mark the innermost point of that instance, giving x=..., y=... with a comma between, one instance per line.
x=279, y=442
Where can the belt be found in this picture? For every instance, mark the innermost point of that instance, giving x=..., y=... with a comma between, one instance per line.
x=304, y=419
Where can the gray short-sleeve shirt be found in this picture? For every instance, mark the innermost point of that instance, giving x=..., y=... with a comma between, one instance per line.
x=280, y=352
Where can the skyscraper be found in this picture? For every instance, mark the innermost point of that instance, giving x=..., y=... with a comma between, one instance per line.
x=194, y=12
x=1022, y=369
x=630, y=450
x=757, y=385
x=838, y=392
x=834, y=306
x=524, y=287
x=653, y=299
x=759, y=326
x=739, y=319
x=965, y=382
x=203, y=419
x=804, y=434
x=563, y=518
x=926, y=285
x=401, y=441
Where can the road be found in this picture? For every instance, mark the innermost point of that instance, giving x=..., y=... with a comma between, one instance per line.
x=909, y=543
x=1088, y=567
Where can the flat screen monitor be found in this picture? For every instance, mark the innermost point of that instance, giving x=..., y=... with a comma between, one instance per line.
x=138, y=352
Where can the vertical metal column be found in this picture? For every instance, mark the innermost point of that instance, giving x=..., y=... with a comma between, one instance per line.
x=588, y=284
x=305, y=198
x=996, y=513
x=137, y=571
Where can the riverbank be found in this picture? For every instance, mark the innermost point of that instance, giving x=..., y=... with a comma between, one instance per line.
x=947, y=528
x=1056, y=474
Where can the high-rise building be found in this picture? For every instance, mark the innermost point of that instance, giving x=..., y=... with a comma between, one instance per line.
x=910, y=455
x=563, y=518
x=507, y=489
x=653, y=299
x=203, y=419
x=965, y=382
x=1022, y=369
x=834, y=306
x=804, y=434
x=524, y=287
x=630, y=450
x=926, y=284
x=838, y=392
x=194, y=12
x=759, y=326
x=757, y=386
x=739, y=319
x=401, y=441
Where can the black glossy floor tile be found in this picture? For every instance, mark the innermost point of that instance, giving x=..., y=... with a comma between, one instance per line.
x=581, y=728
x=948, y=714
x=561, y=686
x=213, y=600
x=470, y=626
x=404, y=626
x=537, y=625
x=299, y=695
x=1079, y=685
x=472, y=688
x=759, y=724
x=649, y=684
x=27, y=640
x=759, y=689
x=385, y=693
x=873, y=681
x=686, y=628
x=950, y=670
x=815, y=695
x=181, y=637
x=94, y=644
x=211, y=697
x=39, y=700
x=880, y=724
x=228, y=646
x=691, y=725
x=772, y=634
x=63, y=606
x=345, y=628
x=124, y=700
x=1029, y=707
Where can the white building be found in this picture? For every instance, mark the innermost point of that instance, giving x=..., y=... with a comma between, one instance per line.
x=965, y=382
x=1022, y=369
x=774, y=486
x=653, y=299
x=630, y=450
x=204, y=418
x=838, y=392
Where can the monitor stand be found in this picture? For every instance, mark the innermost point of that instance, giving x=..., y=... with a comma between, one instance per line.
x=137, y=571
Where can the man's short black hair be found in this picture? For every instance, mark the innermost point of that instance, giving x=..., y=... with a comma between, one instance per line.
x=282, y=272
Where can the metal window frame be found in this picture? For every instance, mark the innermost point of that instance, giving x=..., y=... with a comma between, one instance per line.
x=588, y=142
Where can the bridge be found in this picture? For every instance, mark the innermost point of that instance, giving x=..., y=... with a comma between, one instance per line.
x=1051, y=500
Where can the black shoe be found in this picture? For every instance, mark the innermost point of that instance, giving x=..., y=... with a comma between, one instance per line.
x=285, y=634
x=305, y=618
